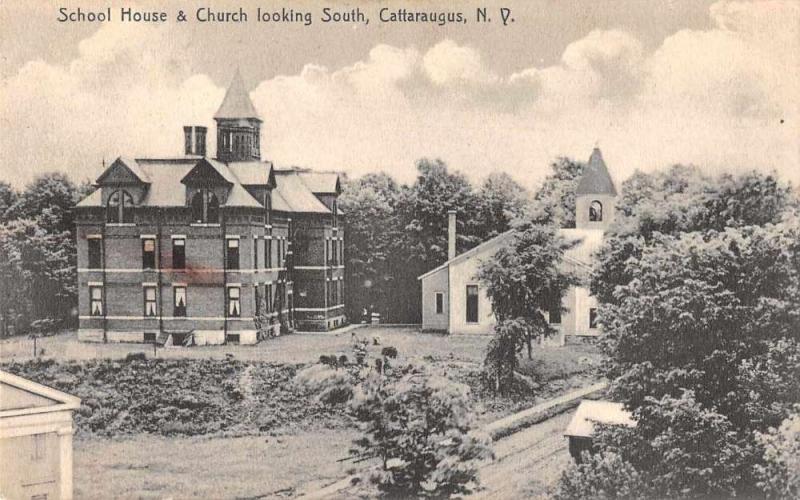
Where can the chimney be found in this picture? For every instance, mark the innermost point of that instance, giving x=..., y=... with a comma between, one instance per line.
x=195, y=140
x=451, y=234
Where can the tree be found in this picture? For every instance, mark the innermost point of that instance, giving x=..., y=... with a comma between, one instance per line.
x=699, y=301
x=37, y=252
x=554, y=201
x=419, y=429
x=8, y=197
x=779, y=476
x=371, y=226
x=500, y=201
x=526, y=279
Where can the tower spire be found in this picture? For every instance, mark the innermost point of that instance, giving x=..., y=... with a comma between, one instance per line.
x=237, y=103
x=238, y=124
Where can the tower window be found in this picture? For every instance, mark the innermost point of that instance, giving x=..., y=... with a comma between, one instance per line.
x=119, y=207
x=595, y=211
x=205, y=207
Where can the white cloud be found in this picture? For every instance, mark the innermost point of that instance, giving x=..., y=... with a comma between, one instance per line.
x=714, y=97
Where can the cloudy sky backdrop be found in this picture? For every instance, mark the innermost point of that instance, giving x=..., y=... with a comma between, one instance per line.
x=715, y=84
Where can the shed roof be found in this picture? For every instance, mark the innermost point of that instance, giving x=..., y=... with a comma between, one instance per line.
x=20, y=396
x=595, y=178
x=591, y=412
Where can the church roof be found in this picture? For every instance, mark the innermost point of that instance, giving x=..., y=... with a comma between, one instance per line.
x=596, y=179
x=237, y=103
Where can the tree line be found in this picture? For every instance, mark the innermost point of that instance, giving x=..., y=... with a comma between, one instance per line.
x=37, y=254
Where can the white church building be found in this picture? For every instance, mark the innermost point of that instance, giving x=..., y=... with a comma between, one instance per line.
x=454, y=301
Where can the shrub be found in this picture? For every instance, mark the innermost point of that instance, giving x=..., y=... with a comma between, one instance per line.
x=328, y=385
x=136, y=356
x=418, y=427
x=389, y=352
x=602, y=475
x=779, y=476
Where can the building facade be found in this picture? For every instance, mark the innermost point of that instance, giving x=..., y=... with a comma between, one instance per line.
x=35, y=440
x=195, y=250
x=454, y=301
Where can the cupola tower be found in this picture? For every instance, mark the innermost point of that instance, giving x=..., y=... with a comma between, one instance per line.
x=595, y=196
x=238, y=125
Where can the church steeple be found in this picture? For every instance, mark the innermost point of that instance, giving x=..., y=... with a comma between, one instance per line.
x=238, y=125
x=595, y=196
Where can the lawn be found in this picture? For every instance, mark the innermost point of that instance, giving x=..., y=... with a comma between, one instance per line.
x=147, y=466
x=157, y=427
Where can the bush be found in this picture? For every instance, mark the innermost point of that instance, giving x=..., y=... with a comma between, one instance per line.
x=389, y=352
x=602, y=475
x=328, y=385
x=779, y=476
x=418, y=427
x=136, y=356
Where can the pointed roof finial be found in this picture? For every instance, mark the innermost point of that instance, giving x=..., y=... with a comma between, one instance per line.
x=237, y=103
x=595, y=178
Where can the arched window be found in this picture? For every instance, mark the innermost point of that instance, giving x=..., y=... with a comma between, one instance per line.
x=595, y=211
x=205, y=207
x=119, y=207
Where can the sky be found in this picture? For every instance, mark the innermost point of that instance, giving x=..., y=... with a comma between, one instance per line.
x=652, y=83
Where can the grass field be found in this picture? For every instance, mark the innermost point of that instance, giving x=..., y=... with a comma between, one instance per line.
x=146, y=466
x=300, y=451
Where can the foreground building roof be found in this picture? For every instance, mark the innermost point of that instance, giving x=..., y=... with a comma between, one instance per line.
x=590, y=413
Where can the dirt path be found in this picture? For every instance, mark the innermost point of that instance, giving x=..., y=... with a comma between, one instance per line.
x=527, y=463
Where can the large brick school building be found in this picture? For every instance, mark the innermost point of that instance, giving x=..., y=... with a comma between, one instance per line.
x=201, y=250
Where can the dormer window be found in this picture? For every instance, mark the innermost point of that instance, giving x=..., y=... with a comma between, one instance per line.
x=119, y=207
x=595, y=211
x=205, y=207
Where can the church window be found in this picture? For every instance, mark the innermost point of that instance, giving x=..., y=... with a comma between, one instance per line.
x=593, y=318
x=472, y=303
x=119, y=207
x=439, y=303
x=555, y=313
x=595, y=211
